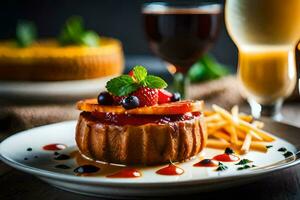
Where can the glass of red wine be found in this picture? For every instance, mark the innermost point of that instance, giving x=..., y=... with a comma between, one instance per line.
x=180, y=33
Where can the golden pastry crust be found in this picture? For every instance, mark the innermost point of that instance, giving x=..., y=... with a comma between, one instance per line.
x=47, y=61
x=148, y=144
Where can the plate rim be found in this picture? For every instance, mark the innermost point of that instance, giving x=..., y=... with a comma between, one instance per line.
x=93, y=180
x=47, y=90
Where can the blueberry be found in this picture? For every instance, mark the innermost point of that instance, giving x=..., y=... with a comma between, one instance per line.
x=130, y=102
x=176, y=97
x=229, y=151
x=105, y=98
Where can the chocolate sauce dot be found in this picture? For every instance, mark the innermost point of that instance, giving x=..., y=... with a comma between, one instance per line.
x=29, y=149
x=25, y=158
x=205, y=161
x=35, y=156
x=62, y=167
x=62, y=157
x=86, y=169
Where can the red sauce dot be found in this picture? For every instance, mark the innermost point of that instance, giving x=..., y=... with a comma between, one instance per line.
x=206, y=163
x=170, y=170
x=126, y=173
x=226, y=158
x=54, y=147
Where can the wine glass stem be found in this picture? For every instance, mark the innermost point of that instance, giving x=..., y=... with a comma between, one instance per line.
x=271, y=110
x=181, y=84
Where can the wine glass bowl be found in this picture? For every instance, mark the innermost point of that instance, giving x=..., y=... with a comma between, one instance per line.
x=180, y=33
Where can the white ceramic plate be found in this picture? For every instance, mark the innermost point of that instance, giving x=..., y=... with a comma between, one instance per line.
x=41, y=163
x=58, y=91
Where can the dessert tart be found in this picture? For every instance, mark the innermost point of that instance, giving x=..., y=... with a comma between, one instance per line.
x=46, y=60
x=76, y=54
x=137, y=122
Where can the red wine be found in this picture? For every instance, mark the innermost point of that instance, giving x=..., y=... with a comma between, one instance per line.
x=181, y=36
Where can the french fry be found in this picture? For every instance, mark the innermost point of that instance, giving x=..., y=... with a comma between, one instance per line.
x=254, y=134
x=263, y=134
x=208, y=113
x=218, y=124
x=230, y=129
x=258, y=124
x=242, y=135
x=221, y=135
x=235, y=113
x=239, y=133
x=213, y=117
x=244, y=125
x=217, y=144
x=222, y=112
x=257, y=146
x=247, y=143
x=236, y=130
x=247, y=118
x=215, y=126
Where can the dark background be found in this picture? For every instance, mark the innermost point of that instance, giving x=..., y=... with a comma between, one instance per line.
x=116, y=18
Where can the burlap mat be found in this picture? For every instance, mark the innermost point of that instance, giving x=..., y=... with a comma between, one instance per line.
x=17, y=118
x=224, y=92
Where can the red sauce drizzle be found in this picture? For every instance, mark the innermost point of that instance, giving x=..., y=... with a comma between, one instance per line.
x=170, y=170
x=54, y=147
x=206, y=163
x=226, y=157
x=127, y=119
x=126, y=173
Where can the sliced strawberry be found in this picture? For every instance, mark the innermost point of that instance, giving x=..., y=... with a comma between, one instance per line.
x=164, y=96
x=173, y=108
x=91, y=105
x=147, y=96
x=118, y=99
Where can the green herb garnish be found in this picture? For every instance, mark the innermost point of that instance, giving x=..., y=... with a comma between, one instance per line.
x=269, y=146
x=26, y=33
x=287, y=154
x=244, y=161
x=246, y=167
x=229, y=151
x=221, y=167
x=243, y=167
x=282, y=149
x=74, y=33
x=122, y=85
x=125, y=84
x=207, y=68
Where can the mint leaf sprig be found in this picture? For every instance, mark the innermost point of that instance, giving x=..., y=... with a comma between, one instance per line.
x=26, y=33
x=122, y=85
x=74, y=33
x=207, y=68
x=126, y=84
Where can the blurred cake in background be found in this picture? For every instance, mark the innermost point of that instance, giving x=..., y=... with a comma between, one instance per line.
x=75, y=55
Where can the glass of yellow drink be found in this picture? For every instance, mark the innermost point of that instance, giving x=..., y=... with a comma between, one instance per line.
x=266, y=33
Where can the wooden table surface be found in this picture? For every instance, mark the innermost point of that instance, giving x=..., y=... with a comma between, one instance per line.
x=280, y=185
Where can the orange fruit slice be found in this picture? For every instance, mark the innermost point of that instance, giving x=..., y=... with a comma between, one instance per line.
x=173, y=108
x=91, y=105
